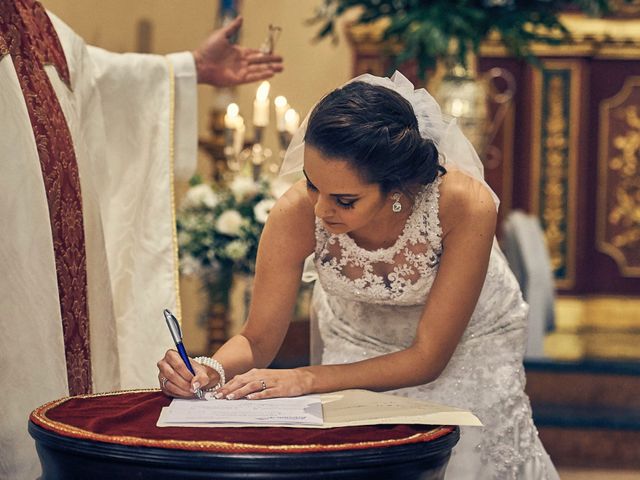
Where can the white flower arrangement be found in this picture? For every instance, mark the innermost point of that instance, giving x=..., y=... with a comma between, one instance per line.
x=201, y=194
x=243, y=188
x=230, y=223
x=219, y=227
x=262, y=209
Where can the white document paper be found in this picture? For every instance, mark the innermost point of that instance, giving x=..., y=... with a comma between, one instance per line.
x=363, y=407
x=340, y=409
x=302, y=411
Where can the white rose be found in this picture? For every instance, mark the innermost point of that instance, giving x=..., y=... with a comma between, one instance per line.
x=236, y=250
x=243, y=188
x=279, y=186
x=229, y=223
x=262, y=209
x=199, y=196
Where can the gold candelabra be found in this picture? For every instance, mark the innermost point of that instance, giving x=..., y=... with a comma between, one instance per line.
x=232, y=153
x=227, y=146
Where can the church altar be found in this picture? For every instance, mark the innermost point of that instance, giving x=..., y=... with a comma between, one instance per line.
x=565, y=152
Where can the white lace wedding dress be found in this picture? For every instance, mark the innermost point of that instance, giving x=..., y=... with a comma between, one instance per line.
x=368, y=303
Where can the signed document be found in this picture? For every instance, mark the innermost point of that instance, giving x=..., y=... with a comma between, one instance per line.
x=302, y=411
x=339, y=409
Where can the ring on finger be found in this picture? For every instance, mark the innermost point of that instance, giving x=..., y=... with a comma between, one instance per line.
x=264, y=385
x=163, y=382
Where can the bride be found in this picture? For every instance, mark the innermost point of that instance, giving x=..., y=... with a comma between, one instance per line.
x=413, y=294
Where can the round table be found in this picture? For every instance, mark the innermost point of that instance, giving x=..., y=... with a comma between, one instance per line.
x=114, y=435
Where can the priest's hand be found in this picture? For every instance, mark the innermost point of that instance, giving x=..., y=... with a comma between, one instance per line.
x=177, y=381
x=223, y=64
x=260, y=383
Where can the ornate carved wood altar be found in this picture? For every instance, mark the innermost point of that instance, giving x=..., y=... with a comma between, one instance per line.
x=569, y=152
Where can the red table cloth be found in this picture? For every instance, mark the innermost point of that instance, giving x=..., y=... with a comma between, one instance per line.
x=129, y=418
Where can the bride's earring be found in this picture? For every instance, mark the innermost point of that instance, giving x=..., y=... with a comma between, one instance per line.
x=397, y=206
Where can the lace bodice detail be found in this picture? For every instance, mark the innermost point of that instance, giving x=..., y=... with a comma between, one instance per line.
x=399, y=274
x=369, y=303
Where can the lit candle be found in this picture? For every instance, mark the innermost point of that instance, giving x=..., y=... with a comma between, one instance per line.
x=281, y=108
x=291, y=121
x=459, y=107
x=231, y=116
x=261, y=105
x=238, y=136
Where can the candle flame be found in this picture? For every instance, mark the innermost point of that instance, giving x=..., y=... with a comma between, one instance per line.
x=263, y=91
x=291, y=120
x=459, y=107
x=280, y=101
x=291, y=116
x=233, y=110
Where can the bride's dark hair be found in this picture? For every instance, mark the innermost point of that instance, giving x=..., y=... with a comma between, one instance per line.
x=376, y=131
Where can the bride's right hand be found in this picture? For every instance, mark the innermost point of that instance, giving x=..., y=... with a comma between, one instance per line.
x=177, y=381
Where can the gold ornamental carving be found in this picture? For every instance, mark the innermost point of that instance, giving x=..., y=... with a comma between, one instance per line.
x=556, y=115
x=595, y=327
x=625, y=8
x=604, y=38
x=618, y=227
x=554, y=214
x=614, y=37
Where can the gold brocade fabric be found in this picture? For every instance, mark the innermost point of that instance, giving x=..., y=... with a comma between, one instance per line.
x=27, y=35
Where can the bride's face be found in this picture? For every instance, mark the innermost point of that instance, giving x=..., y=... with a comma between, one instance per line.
x=340, y=197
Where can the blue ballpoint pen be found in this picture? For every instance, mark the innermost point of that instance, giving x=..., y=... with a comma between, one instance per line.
x=174, y=328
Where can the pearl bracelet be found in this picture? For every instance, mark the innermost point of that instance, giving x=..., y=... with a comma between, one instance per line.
x=217, y=366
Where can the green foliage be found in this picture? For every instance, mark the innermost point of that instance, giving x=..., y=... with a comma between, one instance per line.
x=219, y=227
x=438, y=29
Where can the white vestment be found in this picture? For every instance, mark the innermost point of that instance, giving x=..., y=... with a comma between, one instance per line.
x=132, y=119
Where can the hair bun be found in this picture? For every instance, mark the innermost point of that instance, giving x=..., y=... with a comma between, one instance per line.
x=376, y=130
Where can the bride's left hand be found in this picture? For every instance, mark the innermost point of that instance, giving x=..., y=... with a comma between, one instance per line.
x=260, y=383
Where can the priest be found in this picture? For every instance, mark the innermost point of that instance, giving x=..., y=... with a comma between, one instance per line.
x=90, y=144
